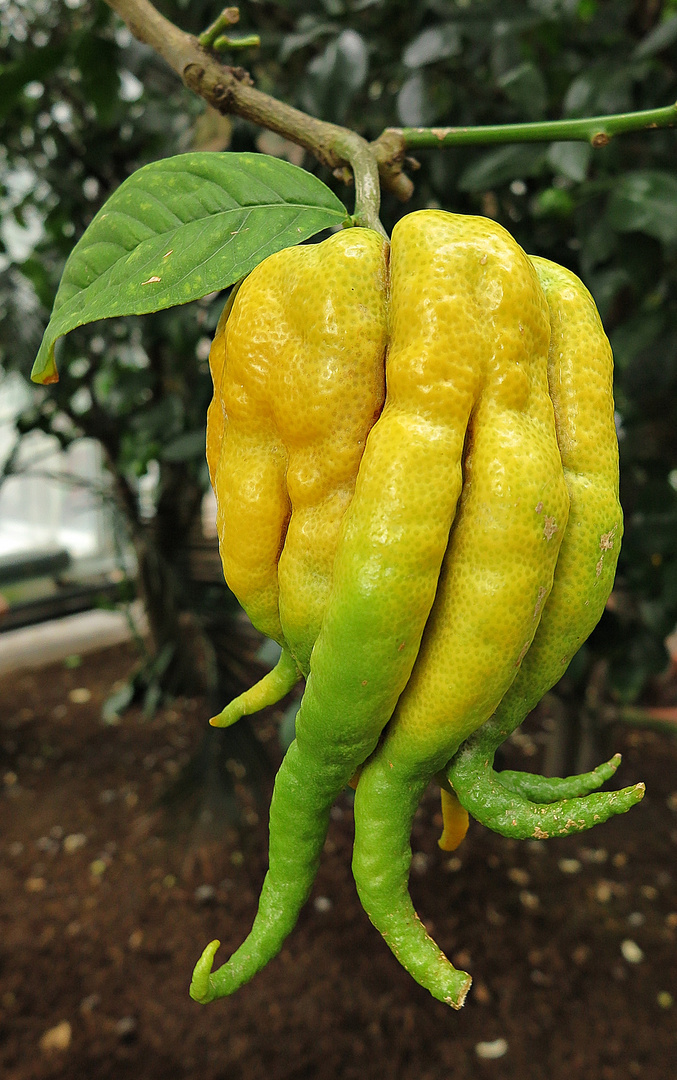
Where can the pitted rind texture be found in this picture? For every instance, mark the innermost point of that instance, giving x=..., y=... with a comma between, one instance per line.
x=580, y=377
x=298, y=372
x=503, y=546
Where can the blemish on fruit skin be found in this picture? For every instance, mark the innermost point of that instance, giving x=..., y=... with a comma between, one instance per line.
x=542, y=593
x=549, y=528
x=606, y=543
x=539, y=508
x=523, y=653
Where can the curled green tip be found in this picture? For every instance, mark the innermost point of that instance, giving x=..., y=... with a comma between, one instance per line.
x=201, y=988
x=607, y=769
x=542, y=789
x=275, y=685
x=233, y=712
x=525, y=805
x=458, y=1000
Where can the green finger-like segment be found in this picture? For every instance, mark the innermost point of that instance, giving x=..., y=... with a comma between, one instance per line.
x=299, y=819
x=381, y=865
x=275, y=685
x=543, y=789
x=201, y=988
x=509, y=813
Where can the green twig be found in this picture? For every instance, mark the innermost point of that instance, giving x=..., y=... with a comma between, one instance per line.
x=365, y=172
x=596, y=130
x=230, y=16
x=223, y=42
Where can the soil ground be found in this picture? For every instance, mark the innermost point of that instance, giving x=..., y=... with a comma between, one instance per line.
x=103, y=912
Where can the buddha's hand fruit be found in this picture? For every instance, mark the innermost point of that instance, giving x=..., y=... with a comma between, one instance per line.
x=405, y=576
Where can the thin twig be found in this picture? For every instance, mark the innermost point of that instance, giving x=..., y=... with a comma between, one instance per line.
x=596, y=130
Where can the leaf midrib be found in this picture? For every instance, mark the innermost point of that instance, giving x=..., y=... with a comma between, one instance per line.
x=70, y=306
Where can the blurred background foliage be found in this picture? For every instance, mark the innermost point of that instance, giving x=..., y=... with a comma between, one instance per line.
x=83, y=105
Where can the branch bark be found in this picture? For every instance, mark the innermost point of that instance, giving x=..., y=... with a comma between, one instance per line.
x=230, y=91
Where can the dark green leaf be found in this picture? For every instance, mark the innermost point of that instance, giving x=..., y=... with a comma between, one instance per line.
x=436, y=43
x=35, y=65
x=97, y=60
x=607, y=286
x=414, y=107
x=333, y=7
x=597, y=245
x=553, y=202
x=499, y=166
x=525, y=87
x=645, y=201
x=570, y=159
x=578, y=98
x=291, y=43
x=179, y=229
x=636, y=336
x=335, y=76
x=659, y=38
x=601, y=90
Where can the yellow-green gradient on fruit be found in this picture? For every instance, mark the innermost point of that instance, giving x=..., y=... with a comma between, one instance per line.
x=496, y=575
x=580, y=379
x=501, y=556
x=430, y=609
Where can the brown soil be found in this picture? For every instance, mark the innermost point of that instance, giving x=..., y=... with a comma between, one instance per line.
x=98, y=941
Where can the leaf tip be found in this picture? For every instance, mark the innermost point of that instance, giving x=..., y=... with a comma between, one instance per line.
x=44, y=371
